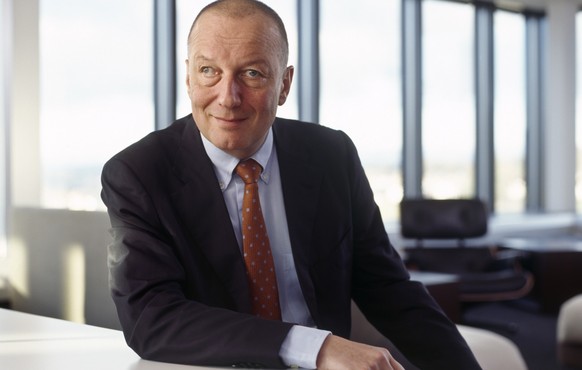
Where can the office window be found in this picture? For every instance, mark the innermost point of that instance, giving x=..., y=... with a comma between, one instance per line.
x=96, y=92
x=185, y=14
x=361, y=87
x=510, y=112
x=448, y=111
x=579, y=112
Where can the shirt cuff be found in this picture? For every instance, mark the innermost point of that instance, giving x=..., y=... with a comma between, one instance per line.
x=301, y=346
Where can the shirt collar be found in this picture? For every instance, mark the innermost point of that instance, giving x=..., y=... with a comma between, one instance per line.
x=224, y=163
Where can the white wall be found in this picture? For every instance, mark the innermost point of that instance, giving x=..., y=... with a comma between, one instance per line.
x=57, y=265
x=5, y=78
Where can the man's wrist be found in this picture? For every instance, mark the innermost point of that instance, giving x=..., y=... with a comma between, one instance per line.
x=301, y=347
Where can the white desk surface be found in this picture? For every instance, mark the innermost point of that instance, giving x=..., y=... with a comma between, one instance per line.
x=30, y=342
x=19, y=326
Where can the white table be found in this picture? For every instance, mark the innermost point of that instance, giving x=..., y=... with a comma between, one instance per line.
x=30, y=342
x=18, y=326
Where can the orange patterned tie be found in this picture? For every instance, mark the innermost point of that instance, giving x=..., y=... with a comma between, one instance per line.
x=256, y=247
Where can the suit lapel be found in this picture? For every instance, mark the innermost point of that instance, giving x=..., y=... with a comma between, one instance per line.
x=301, y=183
x=201, y=205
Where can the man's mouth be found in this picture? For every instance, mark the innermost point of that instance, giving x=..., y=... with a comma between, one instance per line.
x=229, y=120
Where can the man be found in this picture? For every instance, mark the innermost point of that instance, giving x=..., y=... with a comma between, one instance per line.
x=180, y=276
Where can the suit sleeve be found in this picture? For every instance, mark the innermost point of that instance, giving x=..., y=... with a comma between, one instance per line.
x=400, y=309
x=160, y=320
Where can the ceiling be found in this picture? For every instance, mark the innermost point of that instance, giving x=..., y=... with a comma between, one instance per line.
x=533, y=4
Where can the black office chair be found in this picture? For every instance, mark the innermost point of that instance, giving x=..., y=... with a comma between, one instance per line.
x=485, y=272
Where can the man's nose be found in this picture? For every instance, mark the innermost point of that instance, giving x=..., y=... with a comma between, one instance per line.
x=229, y=92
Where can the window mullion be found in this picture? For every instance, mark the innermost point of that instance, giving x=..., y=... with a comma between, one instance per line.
x=308, y=64
x=534, y=106
x=411, y=96
x=484, y=89
x=164, y=62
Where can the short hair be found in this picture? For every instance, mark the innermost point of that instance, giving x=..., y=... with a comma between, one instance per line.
x=244, y=8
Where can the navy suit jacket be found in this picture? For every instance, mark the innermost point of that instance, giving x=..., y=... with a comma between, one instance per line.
x=177, y=276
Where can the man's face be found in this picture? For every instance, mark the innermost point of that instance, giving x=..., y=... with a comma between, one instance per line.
x=236, y=79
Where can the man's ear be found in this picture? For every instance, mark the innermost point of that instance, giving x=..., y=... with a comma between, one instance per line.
x=187, y=76
x=286, y=86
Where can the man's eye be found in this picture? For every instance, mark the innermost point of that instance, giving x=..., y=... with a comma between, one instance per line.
x=252, y=73
x=207, y=71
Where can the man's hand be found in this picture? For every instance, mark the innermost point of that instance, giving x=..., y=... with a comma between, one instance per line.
x=338, y=353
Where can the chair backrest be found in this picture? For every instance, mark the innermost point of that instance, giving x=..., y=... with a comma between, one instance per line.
x=443, y=218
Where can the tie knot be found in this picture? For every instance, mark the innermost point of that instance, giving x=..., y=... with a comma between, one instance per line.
x=249, y=171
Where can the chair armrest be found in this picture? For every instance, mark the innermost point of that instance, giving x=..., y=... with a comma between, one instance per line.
x=506, y=259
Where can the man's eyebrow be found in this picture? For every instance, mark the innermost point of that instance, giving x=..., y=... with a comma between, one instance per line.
x=202, y=58
x=251, y=62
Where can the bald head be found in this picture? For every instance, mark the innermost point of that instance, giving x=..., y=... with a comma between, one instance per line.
x=240, y=9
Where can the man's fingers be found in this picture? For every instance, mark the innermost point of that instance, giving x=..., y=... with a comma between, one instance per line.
x=341, y=354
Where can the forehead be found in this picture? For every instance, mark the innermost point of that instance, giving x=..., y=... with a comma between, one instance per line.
x=216, y=33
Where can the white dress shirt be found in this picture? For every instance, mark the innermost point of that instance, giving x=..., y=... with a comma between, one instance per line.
x=303, y=342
